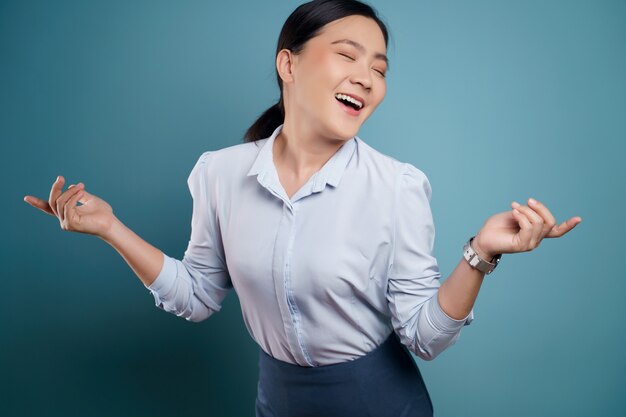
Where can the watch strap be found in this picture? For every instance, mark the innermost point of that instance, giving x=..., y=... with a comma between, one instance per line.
x=476, y=261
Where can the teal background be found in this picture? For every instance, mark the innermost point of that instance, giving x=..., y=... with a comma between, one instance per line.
x=494, y=100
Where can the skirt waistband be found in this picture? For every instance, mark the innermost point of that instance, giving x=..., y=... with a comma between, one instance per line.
x=379, y=355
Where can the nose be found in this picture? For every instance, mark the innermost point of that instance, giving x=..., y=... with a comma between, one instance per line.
x=362, y=75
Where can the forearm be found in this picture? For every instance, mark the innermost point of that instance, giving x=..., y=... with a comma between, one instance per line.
x=144, y=259
x=458, y=292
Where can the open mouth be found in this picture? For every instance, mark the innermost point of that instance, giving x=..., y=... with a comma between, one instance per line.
x=349, y=101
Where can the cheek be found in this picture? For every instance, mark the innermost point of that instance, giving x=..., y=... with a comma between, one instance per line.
x=320, y=80
x=384, y=92
x=326, y=73
x=381, y=90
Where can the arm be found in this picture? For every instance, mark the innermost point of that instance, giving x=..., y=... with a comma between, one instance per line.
x=193, y=288
x=459, y=291
x=95, y=217
x=519, y=230
x=428, y=316
x=145, y=260
x=417, y=316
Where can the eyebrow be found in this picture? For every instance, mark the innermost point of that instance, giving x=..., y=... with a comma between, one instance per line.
x=361, y=48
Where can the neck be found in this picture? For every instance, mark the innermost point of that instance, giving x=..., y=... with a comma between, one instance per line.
x=302, y=152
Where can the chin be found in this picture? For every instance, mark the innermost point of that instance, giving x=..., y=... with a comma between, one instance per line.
x=347, y=131
x=345, y=135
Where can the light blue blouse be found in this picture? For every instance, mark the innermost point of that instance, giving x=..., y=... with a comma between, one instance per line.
x=323, y=277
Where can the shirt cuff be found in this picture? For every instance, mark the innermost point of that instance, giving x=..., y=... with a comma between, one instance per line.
x=442, y=321
x=166, y=278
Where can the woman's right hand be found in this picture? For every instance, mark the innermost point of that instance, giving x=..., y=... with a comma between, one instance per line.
x=94, y=216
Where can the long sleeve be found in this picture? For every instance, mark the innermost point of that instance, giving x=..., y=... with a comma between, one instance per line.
x=413, y=280
x=195, y=287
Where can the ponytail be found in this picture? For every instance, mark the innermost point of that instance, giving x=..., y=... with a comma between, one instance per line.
x=265, y=125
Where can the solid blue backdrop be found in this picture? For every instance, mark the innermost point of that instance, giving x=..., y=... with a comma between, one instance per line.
x=494, y=100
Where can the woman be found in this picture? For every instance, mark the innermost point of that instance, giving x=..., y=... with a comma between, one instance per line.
x=327, y=242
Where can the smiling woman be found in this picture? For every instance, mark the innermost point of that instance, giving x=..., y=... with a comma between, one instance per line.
x=326, y=48
x=343, y=58
x=331, y=64
x=327, y=242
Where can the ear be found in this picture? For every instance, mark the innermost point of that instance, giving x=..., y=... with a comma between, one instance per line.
x=284, y=65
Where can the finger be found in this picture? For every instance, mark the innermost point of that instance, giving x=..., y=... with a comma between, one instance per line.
x=55, y=192
x=537, y=224
x=69, y=210
x=40, y=204
x=533, y=216
x=525, y=232
x=86, y=196
x=548, y=219
x=61, y=201
x=566, y=226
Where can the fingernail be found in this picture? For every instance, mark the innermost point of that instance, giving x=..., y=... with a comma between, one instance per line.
x=532, y=201
x=515, y=204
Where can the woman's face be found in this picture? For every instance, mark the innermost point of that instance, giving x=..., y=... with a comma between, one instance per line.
x=347, y=57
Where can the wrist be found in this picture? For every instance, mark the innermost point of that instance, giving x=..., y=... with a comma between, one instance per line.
x=113, y=232
x=483, y=254
x=479, y=258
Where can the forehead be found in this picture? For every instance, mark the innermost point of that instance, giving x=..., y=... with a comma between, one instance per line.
x=360, y=29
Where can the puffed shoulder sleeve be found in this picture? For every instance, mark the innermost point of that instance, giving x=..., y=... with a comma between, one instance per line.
x=413, y=280
x=195, y=287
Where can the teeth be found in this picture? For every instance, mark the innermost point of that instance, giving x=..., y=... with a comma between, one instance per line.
x=350, y=99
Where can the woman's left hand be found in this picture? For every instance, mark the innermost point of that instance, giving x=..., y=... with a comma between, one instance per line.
x=519, y=230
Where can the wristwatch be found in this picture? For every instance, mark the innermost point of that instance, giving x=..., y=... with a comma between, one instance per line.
x=476, y=261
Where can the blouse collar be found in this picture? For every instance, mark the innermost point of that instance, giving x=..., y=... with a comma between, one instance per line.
x=330, y=173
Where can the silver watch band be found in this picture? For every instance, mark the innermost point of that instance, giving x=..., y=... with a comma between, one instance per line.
x=476, y=261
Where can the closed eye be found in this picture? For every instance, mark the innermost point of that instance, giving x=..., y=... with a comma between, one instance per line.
x=382, y=73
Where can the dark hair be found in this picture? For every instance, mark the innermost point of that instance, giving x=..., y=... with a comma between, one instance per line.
x=303, y=24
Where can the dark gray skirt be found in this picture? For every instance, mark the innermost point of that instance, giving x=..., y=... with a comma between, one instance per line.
x=384, y=382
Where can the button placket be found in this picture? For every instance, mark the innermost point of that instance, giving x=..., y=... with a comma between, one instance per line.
x=281, y=278
x=291, y=300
